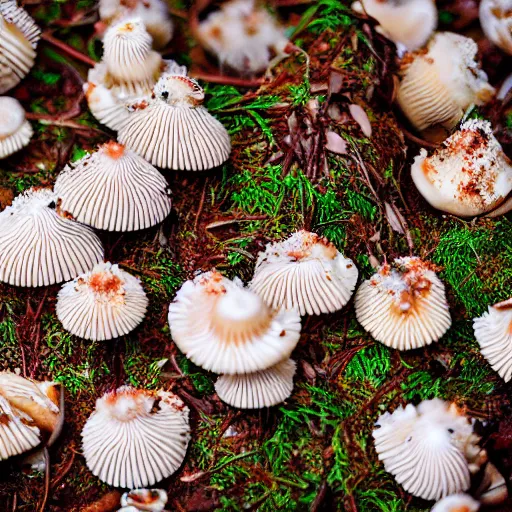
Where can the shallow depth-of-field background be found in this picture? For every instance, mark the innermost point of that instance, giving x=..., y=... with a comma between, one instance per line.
x=313, y=452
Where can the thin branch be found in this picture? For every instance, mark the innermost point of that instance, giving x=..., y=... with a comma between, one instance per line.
x=46, y=36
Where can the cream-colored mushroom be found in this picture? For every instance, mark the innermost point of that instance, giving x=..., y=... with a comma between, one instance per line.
x=15, y=130
x=148, y=500
x=496, y=22
x=456, y=503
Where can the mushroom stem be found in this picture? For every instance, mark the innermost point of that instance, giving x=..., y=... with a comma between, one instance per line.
x=67, y=49
x=46, y=455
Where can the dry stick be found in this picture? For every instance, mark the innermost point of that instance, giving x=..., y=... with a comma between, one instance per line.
x=227, y=80
x=201, y=204
x=46, y=479
x=46, y=36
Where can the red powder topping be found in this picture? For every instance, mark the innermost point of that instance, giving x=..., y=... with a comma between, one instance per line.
x=114, y=150
x=105, y=283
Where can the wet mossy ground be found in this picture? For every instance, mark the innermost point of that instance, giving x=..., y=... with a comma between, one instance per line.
x=315, y=451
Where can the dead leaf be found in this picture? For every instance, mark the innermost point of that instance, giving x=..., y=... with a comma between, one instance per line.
x=395, y=219
x=335, y=82
x=335, y=143
x=361, y=119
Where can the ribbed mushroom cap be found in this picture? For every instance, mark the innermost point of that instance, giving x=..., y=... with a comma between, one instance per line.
x=136, y=438
x=102, y=304
x=256, y=390
x=114, y=189
x=409, y=24
x=493, y=331
x=456, y=503
x=305, y=272
x=440, y=82
x=128, y=54
x=424, y=448
x=19, y=36
x=15, y=130
x=152, y=500
x=172, y=129
x=242, y=36
x=403, y=305
x=469, y=175
x=153, y=13
x=39, y=246
x=226, y=328
x=496, y=22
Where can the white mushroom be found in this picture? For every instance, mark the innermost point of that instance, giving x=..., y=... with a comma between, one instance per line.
x=440, y=82
x=404, y=304
x=114, y=189
x=151, y=500
x=305, y=272
x=128, y=70
x=153, y=13
x=102, y=304
x=426, y=448
x=15, y=130
x=408, y=23
x=469, y=175
x=173, y=130
x=256, y=390
x=496, y=22
x=243, y=37
x=136, y=438
x=39, y=246
x=19, y=36
x=493, y=331
x=226, y=328
x=456, y=503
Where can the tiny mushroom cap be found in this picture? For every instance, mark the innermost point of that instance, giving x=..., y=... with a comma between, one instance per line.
x=256, y=390
x=305, y=272
x=135, y=437
x=19, y=36
x=114, y=189
x=242, y=36
x=493, y=487
x=456, y=503
x=440, y=82
x=102, y=304
x=173, y=130
x=468, y=175
x=493, y=331
x=226, y=328
x=153, y=13
x=496, y=22
x=15, y=130
x=151, y=500
x=426, y=448
x=404, y=305
x=408, y=23
x=32, y=413
x=40, y=246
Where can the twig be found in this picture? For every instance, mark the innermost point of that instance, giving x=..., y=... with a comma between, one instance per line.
x=227, y=80
x=46, y=36
x=46, y=478
x=201, y=204
x=417, y=140
x=64, y=472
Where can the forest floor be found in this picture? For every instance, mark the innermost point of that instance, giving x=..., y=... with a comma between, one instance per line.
x=315, y=451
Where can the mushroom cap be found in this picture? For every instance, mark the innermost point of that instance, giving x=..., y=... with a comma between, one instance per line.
x=109, y=100
x=15, y=130
x=153, y=13
x=493, y=331
x=114, y=189
x=173, y=131
x=424, y=447
x=151, y=500
x=226, y=328
x=440, y=82
x=469, y=175
x=242, y=36
x=257, y=390
x=102, y=304
x=409, y=23
x=128, y=55
x=456, y=503
x=19, y=36
x=39, y=246
x=135, y=437
x=403, y=305
x=305, y=272
x=496, y=22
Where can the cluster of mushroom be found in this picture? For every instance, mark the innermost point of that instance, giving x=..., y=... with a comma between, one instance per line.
x=432, y=450
x=19, y=36
x=248, y=334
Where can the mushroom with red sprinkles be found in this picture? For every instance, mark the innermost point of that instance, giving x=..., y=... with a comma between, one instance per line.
x=148, y=500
